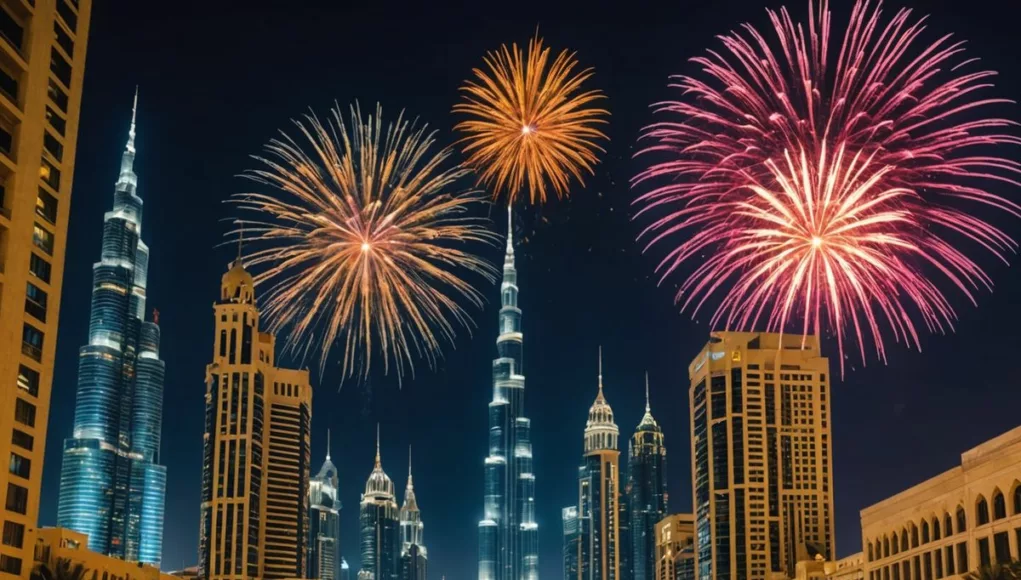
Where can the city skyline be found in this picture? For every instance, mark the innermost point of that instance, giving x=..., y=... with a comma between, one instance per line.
x=557, y=263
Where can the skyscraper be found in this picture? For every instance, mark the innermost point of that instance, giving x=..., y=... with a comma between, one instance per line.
x=569, y=517
x=380, y=531
x=599, y=494
x=255, y=474
x=111, y=486
x=42, y=62
x=414, y=557
x=675, y=548
x=624, y=540
x=647, y=491
x=324, y=522
x=762, y=462
x=508, y=533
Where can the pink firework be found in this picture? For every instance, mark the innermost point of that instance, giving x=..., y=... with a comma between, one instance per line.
x=821, y=194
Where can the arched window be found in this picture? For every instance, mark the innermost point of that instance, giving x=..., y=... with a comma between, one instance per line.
x=981, y=511
x=886, y=547
x=871, y=553
x=904, y=539
x=999, y=505
x=879, y=550
x=935, y=528
x=948, y=525
x=894, y=543
x=914, y=536
x=925, y=532
x=962, y=520
x=1017, y=498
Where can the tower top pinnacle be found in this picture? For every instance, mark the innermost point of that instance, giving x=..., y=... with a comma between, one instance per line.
x=327, y=445
x=510, y=231
x=647, y=407
x=131, y=132
x=379, y=462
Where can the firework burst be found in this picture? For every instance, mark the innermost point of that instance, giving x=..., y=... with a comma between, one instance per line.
x=530, y=123
x=363, y=241
x=822, y=201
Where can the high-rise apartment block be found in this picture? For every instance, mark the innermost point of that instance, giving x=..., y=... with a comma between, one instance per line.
x=324, y=558
x=42, y=63
x=569, y=517
x=646, y=492
x=380, y=526
x=112, y=487
x=599, y=494
x=762, y=455
x=508, y=533
x=414, y=556
x=255, y=472
x=675, y=548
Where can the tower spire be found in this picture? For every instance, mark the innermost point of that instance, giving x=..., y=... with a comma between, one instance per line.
x=409, y=468
x=647, y=407
x=510, y=231
x=600, y=370
x=131, y=131
x=327, y=445
x=379, y=462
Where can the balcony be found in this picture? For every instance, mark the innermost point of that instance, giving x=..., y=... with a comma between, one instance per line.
x=33, y=352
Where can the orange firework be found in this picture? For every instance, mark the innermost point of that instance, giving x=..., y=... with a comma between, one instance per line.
x=530, y=122
x=363, y=239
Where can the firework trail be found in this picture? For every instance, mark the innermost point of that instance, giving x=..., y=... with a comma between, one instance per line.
x=529, y=122
x=823, y=191
x=363, y=241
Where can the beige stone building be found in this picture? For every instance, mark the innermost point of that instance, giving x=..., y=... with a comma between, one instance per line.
x=762, y=454
x=42, y=63
x=255, y=475
x=55, y=544
x=675, y=548
x=849, y=568
x=955, y=522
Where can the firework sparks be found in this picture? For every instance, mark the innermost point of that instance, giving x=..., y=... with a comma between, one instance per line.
x=363, y=241
x=819, y=201
x=530, y=123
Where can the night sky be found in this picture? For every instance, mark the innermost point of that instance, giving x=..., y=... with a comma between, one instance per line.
x=218, y=79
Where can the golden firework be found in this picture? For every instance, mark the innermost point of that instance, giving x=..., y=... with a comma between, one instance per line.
x=530, y=122
x=363, y=239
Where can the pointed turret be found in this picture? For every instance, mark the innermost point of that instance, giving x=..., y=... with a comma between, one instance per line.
x=600, y=430
x=648, y=423
x=379, y=485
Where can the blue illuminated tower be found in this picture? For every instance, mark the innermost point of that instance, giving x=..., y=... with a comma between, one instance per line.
x=111, y=486
x=508, y=534
x=380, y=526
x=647, y=492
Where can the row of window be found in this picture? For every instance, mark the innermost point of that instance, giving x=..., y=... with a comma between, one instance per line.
x=891, y=545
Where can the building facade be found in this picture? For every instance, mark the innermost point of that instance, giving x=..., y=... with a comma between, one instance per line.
x=56, y=544
x=414, y=556
x=42, y=63
x=961, y=520
x=380, y=526
x=599, y=494
x=675, y=548
x=762, y=464
x=647, y=491
x=569, y=518
x=111, y=486
x=508, y=533
x=324, y=558
x=255, y=471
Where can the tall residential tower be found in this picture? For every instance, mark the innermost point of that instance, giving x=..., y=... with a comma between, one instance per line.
x=380, y=528
x=599, y=494
x=324, y=560
x=508, y=534
x=111, y=485
x=42, y=63
x=414, y=556
x=255, y=464
x=762, y=458
x=647, y=491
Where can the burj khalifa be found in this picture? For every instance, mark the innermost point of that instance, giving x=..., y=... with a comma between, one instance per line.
x=508, y=534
